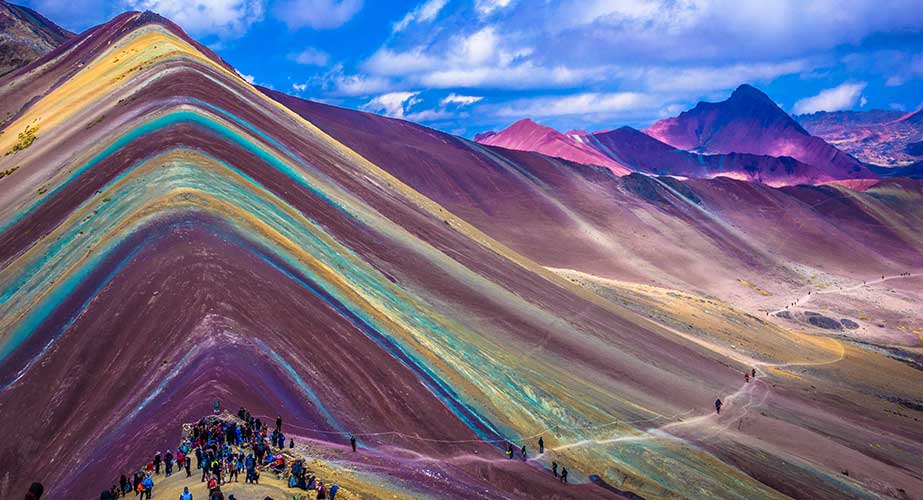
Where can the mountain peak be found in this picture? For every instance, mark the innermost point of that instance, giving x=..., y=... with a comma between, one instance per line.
x=527, y=135
x=747, y=91
x=749, y=121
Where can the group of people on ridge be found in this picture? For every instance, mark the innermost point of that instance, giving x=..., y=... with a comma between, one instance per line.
x=223, y=449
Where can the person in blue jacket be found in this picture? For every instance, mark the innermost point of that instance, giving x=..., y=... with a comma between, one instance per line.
x=185, y=495
x=148, y=485
x=333, y=491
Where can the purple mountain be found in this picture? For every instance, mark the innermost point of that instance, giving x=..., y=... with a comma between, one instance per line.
x=750, y=122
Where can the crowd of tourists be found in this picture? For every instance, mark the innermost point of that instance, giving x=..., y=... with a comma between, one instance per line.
x=223, y=449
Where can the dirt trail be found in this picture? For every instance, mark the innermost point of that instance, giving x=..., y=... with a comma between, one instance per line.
x=804, y=299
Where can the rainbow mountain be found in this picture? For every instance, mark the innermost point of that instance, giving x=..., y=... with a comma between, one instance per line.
x=171, y=235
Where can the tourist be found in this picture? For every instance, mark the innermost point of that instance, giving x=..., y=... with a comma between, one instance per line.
x=148, y=485
x=554, y=469
x=35, y=491
x=352, y=442
x=541, y=445
x=509, y=451
x=333, y=491
x=564, y=475
x=185, y=495
x=718, y=406
x=321, y=491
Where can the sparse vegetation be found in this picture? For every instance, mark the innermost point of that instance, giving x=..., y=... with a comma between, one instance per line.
x=8, y=171
x=24, y=139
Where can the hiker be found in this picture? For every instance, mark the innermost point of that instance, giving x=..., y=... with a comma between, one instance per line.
x=747, y=377
x=188, y=464
x=35, y=491
x=564, y=475
x=279, y=423
x=168, y=463
x=753, y=373
x=523, y=451
x=217, y=406
x=352, y=442
x=157, y=461
x=321, y=491
x=123, y=483
x=333, y=491
x=185, y=495
x=541, y=445
x=148, y=485
x=718, y=406
x=250, y=462
x=509, y=451
x=554, y=468
x=291, y=443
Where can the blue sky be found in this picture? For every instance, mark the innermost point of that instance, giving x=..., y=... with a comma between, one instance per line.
x=465, y=66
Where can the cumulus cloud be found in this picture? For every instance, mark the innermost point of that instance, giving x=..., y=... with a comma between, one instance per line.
x=588, y=103
x=459, y=100
x=843, y=96
x=317, y=14
x=482, y=58
x=337, y=82
x=487, y=7
x=224, y=18
x=393, y=104
x=310, y=57
x=707, y=78
x=425, y=12
x=699, y=30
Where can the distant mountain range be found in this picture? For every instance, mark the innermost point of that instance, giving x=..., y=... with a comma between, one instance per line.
x=746, y=137
x=879, y=137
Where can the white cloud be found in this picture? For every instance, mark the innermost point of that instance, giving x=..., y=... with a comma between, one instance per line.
x=299, y=87
x=393, y=104
x=310, y=57
x=590, y=103
x=707, y=78
x=425, y=12
x=486, y=7
x=390, y=63
x=863, y=101
x=336, y=82
x=843, y=96
x=225, y=18
x=906, y=67
x=482, y=58
x=699, y=30
x=428, y=115
x=248, y=78
x=317, y=14
x=460, y=100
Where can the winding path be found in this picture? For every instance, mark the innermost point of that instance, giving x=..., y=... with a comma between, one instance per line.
x=807, y=297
